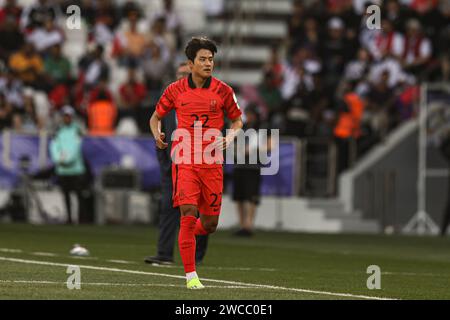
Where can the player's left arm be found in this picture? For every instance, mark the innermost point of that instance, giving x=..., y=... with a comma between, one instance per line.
x=234, y=114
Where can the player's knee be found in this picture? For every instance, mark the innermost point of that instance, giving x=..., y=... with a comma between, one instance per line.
x=188, y=211
x=210, y=227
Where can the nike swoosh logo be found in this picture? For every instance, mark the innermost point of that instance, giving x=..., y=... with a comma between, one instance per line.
x=184, y=104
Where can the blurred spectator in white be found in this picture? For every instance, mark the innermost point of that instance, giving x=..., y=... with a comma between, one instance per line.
x=47, y=36
x=161, y=36
x=11, y=10
x=172, y=21
x=12, y=89
x=397, y=75
x=28, y=65
x=35, y=15
x=103, y=17
x=5, y=113
x=358, y=68
x=93, y=67
x=294, y=74
x=380, y=105
x=417, y=48
x=156, y=65
x=129, y=44
x=26, y=119
x=11, y=38
x=386, y=42
x=214, y=8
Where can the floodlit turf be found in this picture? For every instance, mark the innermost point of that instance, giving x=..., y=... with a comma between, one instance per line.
x=267, y=266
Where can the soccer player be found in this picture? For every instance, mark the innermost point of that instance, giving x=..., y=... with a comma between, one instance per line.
x=200, y=101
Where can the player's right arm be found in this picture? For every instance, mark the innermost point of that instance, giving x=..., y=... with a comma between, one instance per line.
x=155, y=127
x=163, y=107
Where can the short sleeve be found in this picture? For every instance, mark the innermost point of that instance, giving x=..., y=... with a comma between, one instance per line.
x=166, y=103
x=231, y=106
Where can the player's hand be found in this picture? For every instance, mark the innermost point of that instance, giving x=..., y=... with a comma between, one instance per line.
x=160, y=141
x=222, y=143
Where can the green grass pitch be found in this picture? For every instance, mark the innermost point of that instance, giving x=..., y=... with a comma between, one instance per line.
x=34, y=260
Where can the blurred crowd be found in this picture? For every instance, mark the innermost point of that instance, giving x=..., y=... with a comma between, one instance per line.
x=37, y=79
x=341, y=80
x=333, y=77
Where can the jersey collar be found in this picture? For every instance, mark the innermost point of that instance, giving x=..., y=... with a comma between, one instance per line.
x=192, y=84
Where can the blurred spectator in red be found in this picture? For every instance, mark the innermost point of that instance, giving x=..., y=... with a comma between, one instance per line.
x=274, y=67
x=58, y=72
x=35, y=15
x=422, y=6
x=5, y=113
x=386, y=42
x=132, y=92
x=101, y=112
x=11, y=39
x=100, y=92
x=47, y=36
x=417, y=48
x=129, y=45
x=11, y=10
x=28, y=66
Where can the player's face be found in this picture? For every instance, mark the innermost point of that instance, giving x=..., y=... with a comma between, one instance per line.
x=203, y=63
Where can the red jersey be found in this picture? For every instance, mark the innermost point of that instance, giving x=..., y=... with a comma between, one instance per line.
x=207, y=105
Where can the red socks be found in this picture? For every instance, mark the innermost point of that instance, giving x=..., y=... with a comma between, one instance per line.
x=186, y=242
x=199, y=230
x=189, y=228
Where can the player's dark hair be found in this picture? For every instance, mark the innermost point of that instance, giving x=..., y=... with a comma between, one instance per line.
x=198, y=43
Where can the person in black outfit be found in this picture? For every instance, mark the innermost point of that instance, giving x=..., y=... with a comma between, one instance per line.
x=445, y=149
x=169, y=219
x=247, y=177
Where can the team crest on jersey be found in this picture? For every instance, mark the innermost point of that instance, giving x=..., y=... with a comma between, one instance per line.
x=213, y=106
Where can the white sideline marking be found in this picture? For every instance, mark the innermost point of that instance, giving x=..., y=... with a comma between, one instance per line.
x=44, y=254
x=121, y=261
x=10, y=250
x=203, y=279
x=212, y=268
x=107, y=284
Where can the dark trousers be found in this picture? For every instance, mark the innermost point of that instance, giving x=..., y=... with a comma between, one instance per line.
x=169, y=222
x=446, y=219
x=69, y=184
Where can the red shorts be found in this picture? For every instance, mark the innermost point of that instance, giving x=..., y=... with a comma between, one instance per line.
x=198, y=186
